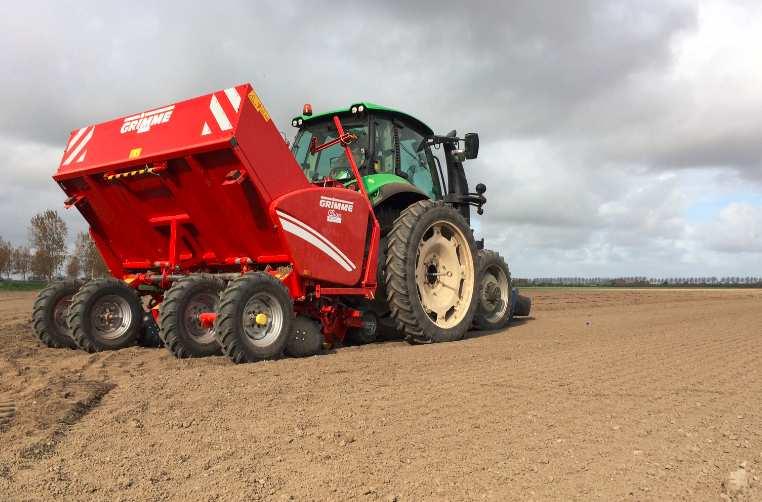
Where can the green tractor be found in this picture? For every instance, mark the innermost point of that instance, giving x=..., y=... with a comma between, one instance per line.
x=395, y=155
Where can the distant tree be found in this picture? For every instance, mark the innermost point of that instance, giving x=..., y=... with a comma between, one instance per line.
x=90, y=259
x=22, y=261
x=73, y=267
x=6, y=258
x=39, y=265
x=47, y=235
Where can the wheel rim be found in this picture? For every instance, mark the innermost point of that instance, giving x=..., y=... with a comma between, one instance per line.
x=60, y=311
x=495, y=294
x=111, y=317
x=262, y=319
x=198, y=304
x=444, y=274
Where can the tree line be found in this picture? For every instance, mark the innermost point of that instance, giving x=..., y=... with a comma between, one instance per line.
x=47, y=256
x=734, y=281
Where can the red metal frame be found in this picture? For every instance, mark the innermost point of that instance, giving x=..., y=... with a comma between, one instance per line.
x=191, y=187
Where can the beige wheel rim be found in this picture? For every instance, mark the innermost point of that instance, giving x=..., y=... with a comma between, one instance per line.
x=444, y=274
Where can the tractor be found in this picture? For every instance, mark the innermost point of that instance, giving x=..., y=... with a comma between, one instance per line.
x=223, y=238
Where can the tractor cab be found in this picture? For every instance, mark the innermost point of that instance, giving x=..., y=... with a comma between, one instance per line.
x=393, y=153
x=389, y=149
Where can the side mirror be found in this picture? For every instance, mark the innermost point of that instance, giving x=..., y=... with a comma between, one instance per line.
x=472, y=145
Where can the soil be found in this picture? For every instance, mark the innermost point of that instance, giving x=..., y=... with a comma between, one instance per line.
x=602, y=395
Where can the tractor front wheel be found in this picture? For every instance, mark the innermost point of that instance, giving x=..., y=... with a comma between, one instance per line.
x=494, y=308
x=49, y=314
x=431, y=273
x=105, y=314
x=179, y=324
x=255, y=318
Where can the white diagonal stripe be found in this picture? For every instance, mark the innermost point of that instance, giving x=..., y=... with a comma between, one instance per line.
x=75, y=138
x=234, y=97
x=219, y=114
x=79, y=148
x=317, y=234
x=309, y=234
x=303, y=234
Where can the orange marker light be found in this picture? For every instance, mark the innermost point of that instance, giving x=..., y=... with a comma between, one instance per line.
x=307, y=110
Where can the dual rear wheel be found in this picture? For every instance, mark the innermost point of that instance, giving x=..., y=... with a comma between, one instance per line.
x=255, y=319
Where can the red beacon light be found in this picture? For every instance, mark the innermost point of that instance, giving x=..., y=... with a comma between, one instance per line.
x=307, y=110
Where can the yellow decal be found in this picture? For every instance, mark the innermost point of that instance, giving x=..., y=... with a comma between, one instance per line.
x=135, y=153
x=259, y=106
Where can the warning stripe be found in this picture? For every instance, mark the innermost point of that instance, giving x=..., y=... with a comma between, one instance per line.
x=73, y=141
x=219, y=114
x=234, y=97
x=75, y=153
x=222, y=109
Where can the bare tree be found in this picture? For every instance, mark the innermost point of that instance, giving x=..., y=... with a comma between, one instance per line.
x=47, y=234
x=73, y=267
x=22, y=261
x=90, y=259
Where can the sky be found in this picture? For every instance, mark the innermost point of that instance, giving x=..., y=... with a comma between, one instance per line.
x=618, y=138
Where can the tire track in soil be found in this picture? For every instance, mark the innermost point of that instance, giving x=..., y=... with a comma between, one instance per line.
x=95, y=391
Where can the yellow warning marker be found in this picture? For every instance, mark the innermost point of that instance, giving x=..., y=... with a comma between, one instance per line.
x=135, y=153
x=257, y=103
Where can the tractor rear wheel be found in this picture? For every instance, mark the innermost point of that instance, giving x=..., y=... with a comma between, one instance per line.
x=179, y=325
x=105, y=314
x=493, y=310
x=431, y=273
x=49, y=314
x=255, y=318
x=306, y=339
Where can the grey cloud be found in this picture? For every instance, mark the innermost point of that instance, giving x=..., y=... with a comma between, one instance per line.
x=577, y=103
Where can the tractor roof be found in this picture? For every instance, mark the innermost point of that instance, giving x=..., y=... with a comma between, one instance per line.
x=369, y=106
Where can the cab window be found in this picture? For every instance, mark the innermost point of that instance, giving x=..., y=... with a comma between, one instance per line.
x=417, y=166
x=331, y=162
x=384, y=156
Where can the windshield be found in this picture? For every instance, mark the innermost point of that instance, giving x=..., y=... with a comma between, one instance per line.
x=331, y=162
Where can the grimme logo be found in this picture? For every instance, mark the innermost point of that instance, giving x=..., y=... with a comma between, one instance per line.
x=333, y=216
x=332, y=203
x=144, y=121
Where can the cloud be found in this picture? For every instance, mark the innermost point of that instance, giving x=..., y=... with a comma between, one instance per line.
x=602, y=123
x=737, y=229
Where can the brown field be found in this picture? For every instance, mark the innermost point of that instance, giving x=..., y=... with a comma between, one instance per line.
x=603, y=395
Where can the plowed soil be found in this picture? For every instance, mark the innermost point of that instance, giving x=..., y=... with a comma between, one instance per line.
x=602, y=395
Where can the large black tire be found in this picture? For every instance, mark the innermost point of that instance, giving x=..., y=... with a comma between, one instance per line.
x=49, y=314
x=368, y=333
x=523, y=306
x=306, y=339
x=403, y=296
x=493, y=310
x=179, y=326
x=240, y=341
x=105, y=296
